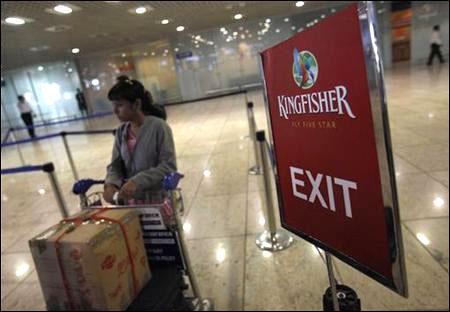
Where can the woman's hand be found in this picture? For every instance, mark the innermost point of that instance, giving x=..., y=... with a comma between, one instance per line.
x=128, y=190
x=109, y=191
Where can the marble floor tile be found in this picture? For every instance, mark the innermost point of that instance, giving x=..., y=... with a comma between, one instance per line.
x=421, y=196
x=433, y=235
x=218, y=265
x=428, y=282
x=34, y=300
x=293, y=279
x=426, y=157
x=441, y=176
x=216, y=216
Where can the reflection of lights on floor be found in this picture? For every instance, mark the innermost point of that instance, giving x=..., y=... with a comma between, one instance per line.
x=315, y=250
x=262, y=220
x=438, y=202
x=266, y=254
x=397, y=174
x=22, y=269
x=187, y=227
x=207, y=173
x=423, y=239
x=220, y=254
x=430, y=115
x=5, y=198
x=41, y=191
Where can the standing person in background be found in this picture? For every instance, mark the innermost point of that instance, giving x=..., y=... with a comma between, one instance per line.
x=81, y=102
x=436, y=43
x=27, y=114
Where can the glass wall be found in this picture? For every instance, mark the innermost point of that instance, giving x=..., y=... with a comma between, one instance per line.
x=187, y=67
x=49, y=88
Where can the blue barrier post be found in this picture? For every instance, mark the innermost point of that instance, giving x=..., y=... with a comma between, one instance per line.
x=50, y=169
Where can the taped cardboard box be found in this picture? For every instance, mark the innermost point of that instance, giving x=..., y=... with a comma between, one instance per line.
x=95, y=260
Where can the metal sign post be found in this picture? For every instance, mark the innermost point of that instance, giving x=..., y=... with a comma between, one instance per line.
x=271, y=240
x=256, y=169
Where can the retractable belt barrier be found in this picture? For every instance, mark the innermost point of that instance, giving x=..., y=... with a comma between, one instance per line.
x=50, y=169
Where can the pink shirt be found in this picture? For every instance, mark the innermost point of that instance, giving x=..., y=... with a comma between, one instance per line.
x=131, y=140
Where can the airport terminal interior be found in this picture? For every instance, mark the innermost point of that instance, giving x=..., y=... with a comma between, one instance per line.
x=201, y=61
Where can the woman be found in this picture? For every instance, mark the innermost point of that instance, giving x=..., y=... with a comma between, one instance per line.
x=143, y=151
x=27, y=114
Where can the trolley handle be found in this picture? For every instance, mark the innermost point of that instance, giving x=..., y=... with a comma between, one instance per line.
x=169, y=183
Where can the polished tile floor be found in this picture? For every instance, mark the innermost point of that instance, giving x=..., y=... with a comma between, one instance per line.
x=225, y=211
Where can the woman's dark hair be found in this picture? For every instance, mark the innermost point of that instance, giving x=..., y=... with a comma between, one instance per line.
x=436, y=27
x=20, y=98
x=132, y=90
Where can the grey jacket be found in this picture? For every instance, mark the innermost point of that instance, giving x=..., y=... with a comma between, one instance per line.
x=153, y=157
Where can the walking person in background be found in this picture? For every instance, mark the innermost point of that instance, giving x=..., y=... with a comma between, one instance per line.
x=27, y=114
x=436, y=43
x=81, y=102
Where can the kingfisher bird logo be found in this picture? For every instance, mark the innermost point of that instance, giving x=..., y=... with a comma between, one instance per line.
x=305, y=69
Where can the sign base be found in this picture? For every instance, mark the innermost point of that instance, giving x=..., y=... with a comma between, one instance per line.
x=278, y=241
x=255, y=170
x=347, y=298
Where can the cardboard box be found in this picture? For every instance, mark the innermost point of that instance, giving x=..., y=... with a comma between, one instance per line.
x=84, y=263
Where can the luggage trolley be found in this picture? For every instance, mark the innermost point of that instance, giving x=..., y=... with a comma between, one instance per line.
x=161, y=223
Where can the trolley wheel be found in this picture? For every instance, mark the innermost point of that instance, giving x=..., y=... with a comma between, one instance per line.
x=347, y=298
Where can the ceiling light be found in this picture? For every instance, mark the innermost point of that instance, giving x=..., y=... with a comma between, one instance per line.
x=223, y=29
x=124, y=55
x=235, y=33
x=277, y=30
x=165, y=21
x=225, y=32
x=322, y=16
x=286, y=19
x=41, y=191
x=15, y=20
x=180, y=28
x=299, y=4
x=176, y=49
x=95, y=82
x=75, y=50
x=316, y=21
x=141, y=10
x=238, y=16
x=293, y=27
x=40, y=68
x=64, y=9
x=333, y=10
x=268, y=20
